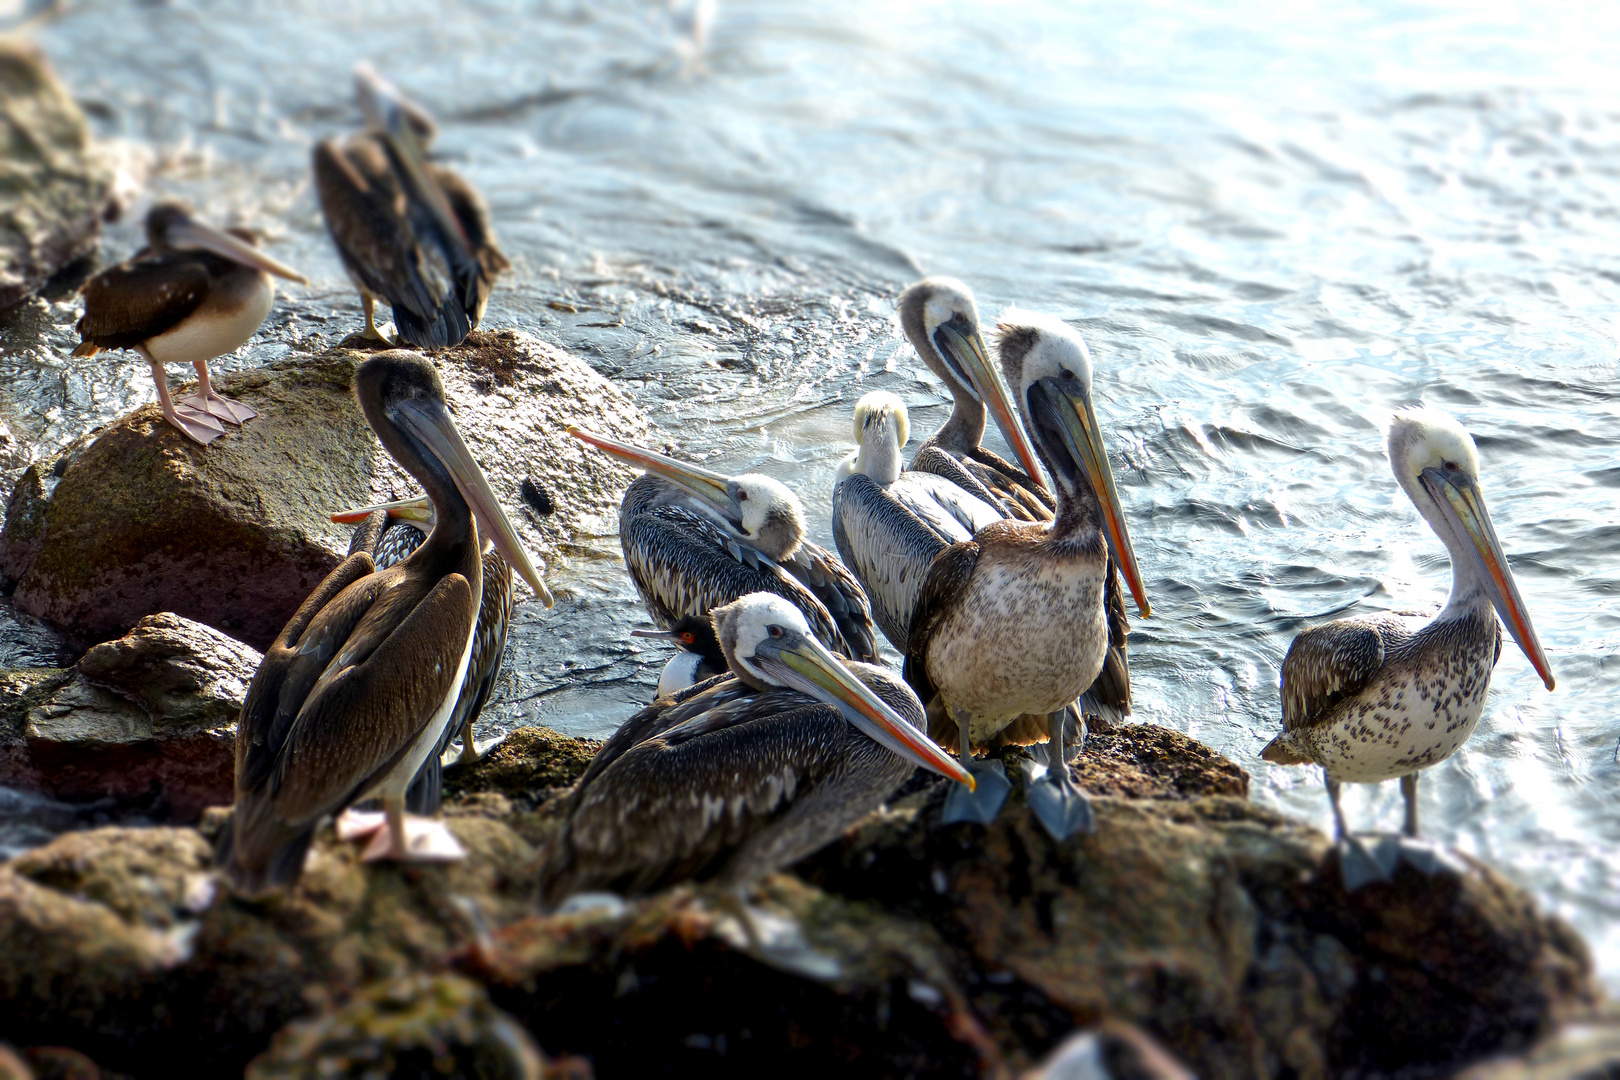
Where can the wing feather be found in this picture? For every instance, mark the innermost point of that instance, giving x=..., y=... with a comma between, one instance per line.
x=140, y=299
x=1327, y=664
x=947, y=581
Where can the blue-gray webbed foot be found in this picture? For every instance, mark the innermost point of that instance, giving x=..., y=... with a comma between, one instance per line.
x=1055, y=800
x=983, y=803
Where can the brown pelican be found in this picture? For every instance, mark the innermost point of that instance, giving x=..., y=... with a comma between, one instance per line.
x=1015, y=622
x=698, y=654
x=355, y=693
x=389, y=533
x=193, y=293
x=694, y=539
x=411, y=233
x=745, y=774
x=1374, y=697
x=941, y=319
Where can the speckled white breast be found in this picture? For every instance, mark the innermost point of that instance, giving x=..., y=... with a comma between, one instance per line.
x=222, y=324
x=1415, y=714
x=1029, y=638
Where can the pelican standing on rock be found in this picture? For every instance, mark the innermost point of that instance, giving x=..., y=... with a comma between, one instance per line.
x=1014, y=621
x=742, y=775
x=1376, y=697
x=192, y=294
x=888, y=524
x=940, y=317
x=694, y=539
x=357, y=690
x=389, y=533
x=411, y=233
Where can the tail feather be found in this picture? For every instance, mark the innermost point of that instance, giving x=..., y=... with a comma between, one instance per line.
x=260, y=867
x=449, y=327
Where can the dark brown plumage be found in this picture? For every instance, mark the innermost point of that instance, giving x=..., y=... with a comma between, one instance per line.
x=729, y=779
x=413, y=234
x=193, y=293
x=357, y=689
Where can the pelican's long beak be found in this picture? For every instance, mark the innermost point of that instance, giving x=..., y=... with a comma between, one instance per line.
x=712, y=487
x=1082, y=439
x=807, y=666
x=194, y=235
x=417, y=508
x=966, y=353
x=429, y=421
x=386, y=110
x=1459, y=498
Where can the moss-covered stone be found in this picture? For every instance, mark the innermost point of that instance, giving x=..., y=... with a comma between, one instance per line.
x=415, y=1025
x=54, y=188
x=908, y=948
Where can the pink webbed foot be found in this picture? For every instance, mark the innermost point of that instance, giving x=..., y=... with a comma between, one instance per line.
x=227, y=409
x=197, y=426
x=359, y=824
x=426, y=840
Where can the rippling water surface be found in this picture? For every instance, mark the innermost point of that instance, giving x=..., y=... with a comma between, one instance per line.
x=1273, y=228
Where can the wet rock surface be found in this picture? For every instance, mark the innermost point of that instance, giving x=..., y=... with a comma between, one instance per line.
x=135, y=519
x=145, y=723
x=1217, y=930
x=54, y=189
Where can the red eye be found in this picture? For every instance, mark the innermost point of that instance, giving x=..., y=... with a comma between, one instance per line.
x=689, y=637
x=742, y=496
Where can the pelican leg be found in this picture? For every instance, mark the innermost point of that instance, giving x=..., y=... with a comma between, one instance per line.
x=1057, y=803
x=216, y=405
x=408, y=838
x=469, y=749
x=199, y=427
x=1424, y=856
x=1360, y=862
x=983, y=804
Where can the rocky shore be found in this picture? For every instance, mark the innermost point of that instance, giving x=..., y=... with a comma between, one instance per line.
x=1192, y=928
x=910, y=948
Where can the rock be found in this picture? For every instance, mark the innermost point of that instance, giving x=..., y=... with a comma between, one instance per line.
x=1221, y=931
x=1586, y=1050
x=56, y=188
x=150, y=718
x=414, y=1025
x=119, y=943
x=1111, y=1051
x=138, y=520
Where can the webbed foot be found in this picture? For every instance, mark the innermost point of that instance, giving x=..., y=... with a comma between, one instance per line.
x=1366, y=859
x=196, y=426
x=1060, y=806
x=217, y=405
x=982, y=804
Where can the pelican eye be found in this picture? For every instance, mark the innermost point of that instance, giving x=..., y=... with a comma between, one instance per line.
x=1451, y=466
x=1069, y=375
x=775, y=631
x=742, y=496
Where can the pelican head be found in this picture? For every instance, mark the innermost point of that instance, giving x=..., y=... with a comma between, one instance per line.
x=760, y=509
x=941, y=319
x=767, y=643
x=170, y=225
x=403, y=400
x=1437, y=465
x=881, y=429
x=1051, y=367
